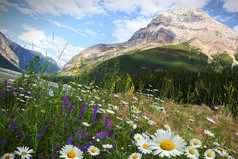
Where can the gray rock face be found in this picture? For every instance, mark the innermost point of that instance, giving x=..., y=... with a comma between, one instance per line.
x=6, y=51
x=20, y=56
x=188, y=24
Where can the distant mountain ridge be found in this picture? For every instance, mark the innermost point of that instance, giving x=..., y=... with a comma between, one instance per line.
x=183, y=25
x=19, y=56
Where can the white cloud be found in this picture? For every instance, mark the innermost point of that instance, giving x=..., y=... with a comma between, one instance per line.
x=76, y=9
x=125, y=28
x=230, y=5
x=4, y=31
x=235, y=28
x=150, y=7
x=3, y=8
x=44, y=43
x=219, y=18
x=90, y=32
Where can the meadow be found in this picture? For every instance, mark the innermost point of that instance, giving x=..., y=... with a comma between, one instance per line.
x=78, y=119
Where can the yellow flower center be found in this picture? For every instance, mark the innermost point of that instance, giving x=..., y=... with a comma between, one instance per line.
x=167, y=145
x=191, y=151
x=167, y=127
x=7, y=157
x=71, y=154
x=136, y=110
x=93, y=150
x=195, y=143
x=138, y=138
x=209, y=154
x=23, y=152
x=226, y=155
x=132, y=124
x=145, y=146
x=135, y=157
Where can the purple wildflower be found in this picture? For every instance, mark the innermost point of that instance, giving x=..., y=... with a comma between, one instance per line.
x=53, y=121
x=3, y=142
x=82, y=111
x=40, y=135
x=10, y=123
x=70, y=107
x=94, y=113
x=41, y=155
x=53, y=156
x=70, y=140
x=106, y=122
x=46, y=128
x=101, y=135
x=56, y=148
x=111, y=133
x=65, y=101
x=81, y=135
x=84, y=147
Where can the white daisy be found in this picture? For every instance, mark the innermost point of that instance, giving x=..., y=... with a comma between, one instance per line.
x=136, y=110
x=24, y=152
x=8, y=156
x=93, y=151
x=106, y=147
x=209, y=154
x=167, y=127
x=71, y=152
x=151, y=122
x=114, y=107
x=85, y=124
x=143, y=146
x=192, y=152
x=195, y=143
x=191, y=120
x=131, y=123
x=190, y=128
x=135, y=156
x=216, y=144
x=211, y=120
x=110, y=111
x=138, y=137
x=166, y=144
x=209, y=133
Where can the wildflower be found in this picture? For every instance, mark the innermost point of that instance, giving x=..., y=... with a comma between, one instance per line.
x=70, y=107
x=53, y=156
x=106, y=147
x=107, y=123
x=70, y=140
x=70, y=151
x=209, y=133
x=209, y=154
x=3, y=142
x=102, y=134
x=8, y=156
x=94, y=113
x=82, y=111
x=24, y=152
x=191, y=120
x=65, y=100
x=192, y=152
x=195, y=143
x=212, y=121
x=114, y=107
x=166, y=144
x=189, y=127
x=131, y=123
x=138, y=137
x=135, y=110
x=46, y=128
x=143, y=146
x=216, y=144
x=151, y=122
x=42, y=111
x=135, y=156
x=167, y=127
x=85, y=124
x=110, y=111
x=93, y=151
x=82, y=135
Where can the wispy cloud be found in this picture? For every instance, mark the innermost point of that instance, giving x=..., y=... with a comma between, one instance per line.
x=236, y=28
x=44, y=43
x=3, y=8
x=76, y=9
x=221, y=19
x=91, y=32
x=230, y=5
x=125, y=28
x=4, y=31
x=65, y=26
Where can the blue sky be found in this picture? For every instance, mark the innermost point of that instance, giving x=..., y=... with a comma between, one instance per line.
x=48, y=25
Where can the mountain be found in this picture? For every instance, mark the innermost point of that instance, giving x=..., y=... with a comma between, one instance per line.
x=13, y=54
x=183, y=25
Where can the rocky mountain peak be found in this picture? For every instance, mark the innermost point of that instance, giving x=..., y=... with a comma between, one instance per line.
x=182, y=25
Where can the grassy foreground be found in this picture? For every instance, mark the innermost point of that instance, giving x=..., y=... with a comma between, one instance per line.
x=101, y=124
